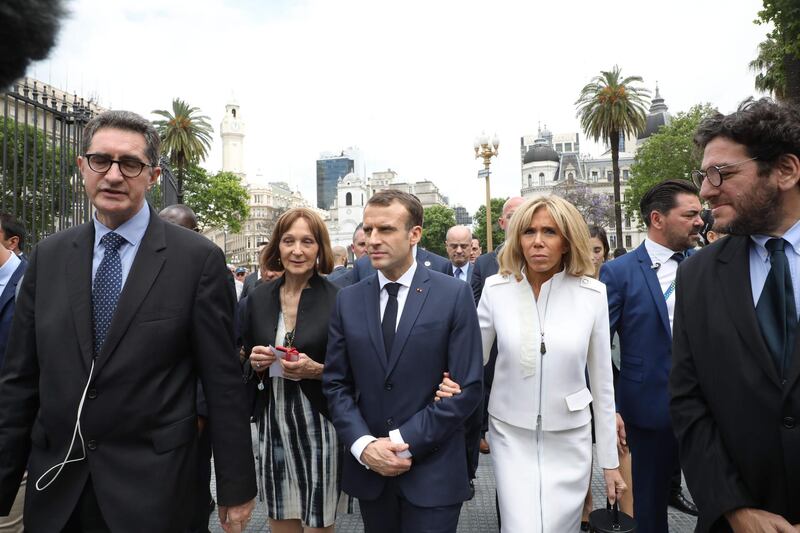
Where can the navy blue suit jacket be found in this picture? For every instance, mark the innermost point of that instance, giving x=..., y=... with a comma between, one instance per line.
x=638, y=313
x=7, y=299
x=371, y=394
x=363, y=268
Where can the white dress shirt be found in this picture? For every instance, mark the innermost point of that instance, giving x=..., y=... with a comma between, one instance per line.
x=402, y=293
x=8, y=268
x=464, y=271
x=666, y=272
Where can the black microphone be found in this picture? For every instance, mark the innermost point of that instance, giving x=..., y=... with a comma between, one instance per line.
x=655, y=266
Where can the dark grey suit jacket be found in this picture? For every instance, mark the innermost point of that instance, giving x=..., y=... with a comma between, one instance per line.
x=174, y=320
x=737, y=423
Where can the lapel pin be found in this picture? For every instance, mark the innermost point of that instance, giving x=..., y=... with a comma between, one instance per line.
x=419, y=290
x=427, y=263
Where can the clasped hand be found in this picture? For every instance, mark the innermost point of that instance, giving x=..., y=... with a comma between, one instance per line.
x=381, y=456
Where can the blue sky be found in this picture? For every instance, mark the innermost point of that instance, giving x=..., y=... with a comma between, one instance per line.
x=410, y=83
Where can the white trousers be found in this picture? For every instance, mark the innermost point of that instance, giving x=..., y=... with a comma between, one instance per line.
x=541, y=480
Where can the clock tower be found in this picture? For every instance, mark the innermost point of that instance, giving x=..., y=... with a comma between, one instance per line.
x=232, y=133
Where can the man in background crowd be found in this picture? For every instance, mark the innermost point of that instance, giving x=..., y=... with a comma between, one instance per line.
x=475, y=250
x=458, y=242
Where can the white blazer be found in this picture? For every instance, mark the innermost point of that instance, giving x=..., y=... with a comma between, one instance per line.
x=575, y=322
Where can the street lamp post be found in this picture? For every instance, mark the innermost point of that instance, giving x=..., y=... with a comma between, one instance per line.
x=487, y=149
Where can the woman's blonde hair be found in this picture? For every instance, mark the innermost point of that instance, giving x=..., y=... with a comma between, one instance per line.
x=578, y=259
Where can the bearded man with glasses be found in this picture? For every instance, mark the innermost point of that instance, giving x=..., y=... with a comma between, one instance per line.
x=735, y=383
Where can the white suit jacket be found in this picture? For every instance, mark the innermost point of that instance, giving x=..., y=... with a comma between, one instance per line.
x=575, y=324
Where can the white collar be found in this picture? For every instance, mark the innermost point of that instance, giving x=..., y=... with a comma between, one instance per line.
x=404, y=280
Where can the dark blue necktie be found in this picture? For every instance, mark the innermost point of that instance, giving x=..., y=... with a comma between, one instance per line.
x=457, y=273
x=106, y=288
x=389, y=323
x=678, y=257
x=776, y=311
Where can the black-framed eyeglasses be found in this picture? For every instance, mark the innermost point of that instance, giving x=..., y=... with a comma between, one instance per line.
x=714, y=173
x=129, y=168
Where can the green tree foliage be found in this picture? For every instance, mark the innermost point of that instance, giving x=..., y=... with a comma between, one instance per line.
x=217, y=200
x=778, y=61
x=610, y=106
x=768, y=67
x=185, y=137
x=437, y=219
x=39, y=180
x=668, y=154
x=498, y=235
x=596, y=209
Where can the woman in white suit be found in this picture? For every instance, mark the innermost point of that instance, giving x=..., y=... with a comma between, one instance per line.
x=550, y=319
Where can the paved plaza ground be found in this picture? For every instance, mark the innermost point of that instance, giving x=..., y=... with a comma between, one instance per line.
x=477, y=515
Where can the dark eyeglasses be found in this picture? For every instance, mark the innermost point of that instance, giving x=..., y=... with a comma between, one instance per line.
x=714, y=173
x=130, y=168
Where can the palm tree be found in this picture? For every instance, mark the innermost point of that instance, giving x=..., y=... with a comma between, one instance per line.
x=768, y=67
x=185, y=136
x=610, y=106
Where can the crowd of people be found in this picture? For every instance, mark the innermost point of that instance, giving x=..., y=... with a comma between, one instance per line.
x=131, y=355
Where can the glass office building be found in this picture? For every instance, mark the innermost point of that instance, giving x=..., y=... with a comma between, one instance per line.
x=329, y=170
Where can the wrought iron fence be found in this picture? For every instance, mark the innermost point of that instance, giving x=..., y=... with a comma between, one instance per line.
x=41, y=133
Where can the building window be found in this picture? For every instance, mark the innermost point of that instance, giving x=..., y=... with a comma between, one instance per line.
x=609, y=175
x=541, y=178
x=530, y=180
x=627, y=222
x=594, y=176
x=348, y=199
x=233, y=112
x=625, y=174
x=612, y=242
x=628, y=241
x=567, y=147
x=570, y=176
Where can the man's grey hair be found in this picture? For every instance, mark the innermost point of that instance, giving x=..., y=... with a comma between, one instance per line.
x=126, y=121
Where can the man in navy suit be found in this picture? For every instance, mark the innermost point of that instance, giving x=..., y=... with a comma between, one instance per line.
x=641, y=301
x=458, y=242
x=391, y=337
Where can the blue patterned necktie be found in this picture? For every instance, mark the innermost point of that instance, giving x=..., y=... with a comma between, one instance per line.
x=457, y=273
x=106, y=288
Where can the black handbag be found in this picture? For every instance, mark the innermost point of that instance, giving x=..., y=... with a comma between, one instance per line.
x=611, y=520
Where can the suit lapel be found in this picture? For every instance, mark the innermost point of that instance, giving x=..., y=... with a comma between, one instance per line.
x=417, y=294
x=146, y=266
x=651, y=278
x=372, y=307
x=78, y=267
x=10, y=290
x=734, y=285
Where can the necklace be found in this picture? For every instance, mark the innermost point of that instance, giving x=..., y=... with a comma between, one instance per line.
x=543, y=346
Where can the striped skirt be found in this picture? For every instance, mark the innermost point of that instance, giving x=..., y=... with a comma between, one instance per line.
x=299, y=458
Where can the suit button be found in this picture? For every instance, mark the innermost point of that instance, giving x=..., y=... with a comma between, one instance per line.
x=92, y=394
x=388, y=385
x=92, y=445
x=788, y=422
x=390, y=422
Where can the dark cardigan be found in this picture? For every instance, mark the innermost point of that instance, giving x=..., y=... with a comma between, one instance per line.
x=260, y=324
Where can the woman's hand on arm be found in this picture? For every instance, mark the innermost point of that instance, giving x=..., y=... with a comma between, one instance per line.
x=447, y=388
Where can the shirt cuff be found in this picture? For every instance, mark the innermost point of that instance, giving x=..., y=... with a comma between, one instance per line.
x=397, y=438
x=358, y=447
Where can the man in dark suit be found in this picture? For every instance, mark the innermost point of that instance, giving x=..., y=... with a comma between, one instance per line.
x=458, y=242
x=340, y=269
x=391, y=337
x=736, y=357
x=12, y=235
x=641, y=300
x=114, y=321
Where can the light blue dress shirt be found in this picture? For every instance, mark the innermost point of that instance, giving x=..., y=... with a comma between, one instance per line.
x=760, y=266
x=8, y=269
x=132, y=230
